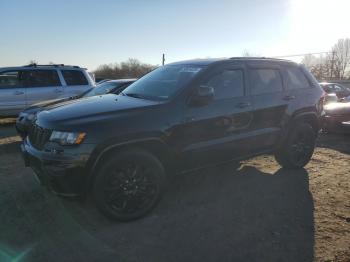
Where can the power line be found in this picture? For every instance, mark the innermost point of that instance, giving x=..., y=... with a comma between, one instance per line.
x=317, y=53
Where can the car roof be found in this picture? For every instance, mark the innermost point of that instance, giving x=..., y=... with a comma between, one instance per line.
x=35, y=66
x=208, y=61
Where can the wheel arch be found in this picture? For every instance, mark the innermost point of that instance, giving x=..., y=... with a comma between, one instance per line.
x=154, y=146
x=310, y=118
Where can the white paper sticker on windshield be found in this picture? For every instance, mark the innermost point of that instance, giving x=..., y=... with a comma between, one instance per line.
x=191, y=69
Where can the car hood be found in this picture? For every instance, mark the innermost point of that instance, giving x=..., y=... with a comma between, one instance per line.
x=337, y=108
x=40, y=106
x=89, y=109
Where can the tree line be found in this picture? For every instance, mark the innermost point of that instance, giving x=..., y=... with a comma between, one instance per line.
x=132, y=68
x=335, y=65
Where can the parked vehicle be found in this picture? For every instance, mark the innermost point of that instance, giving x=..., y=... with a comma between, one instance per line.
x=178, y=117
x=25, y=119
x=21, y=87
x=345, y=99
x=100, y=80
x=336, y=117
x=330, y=98
x=334, y=88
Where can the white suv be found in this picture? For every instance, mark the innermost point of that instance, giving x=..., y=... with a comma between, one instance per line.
x=21, y=87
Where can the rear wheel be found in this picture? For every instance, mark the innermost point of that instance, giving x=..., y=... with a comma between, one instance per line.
x=129, y=185
x=298, y=147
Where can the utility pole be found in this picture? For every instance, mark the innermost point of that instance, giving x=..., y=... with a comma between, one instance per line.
x=163, y=59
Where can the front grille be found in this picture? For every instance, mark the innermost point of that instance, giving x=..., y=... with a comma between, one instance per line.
x=38, y=136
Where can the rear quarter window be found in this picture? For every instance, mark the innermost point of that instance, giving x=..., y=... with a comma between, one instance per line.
x=74, y=77
x=296, y=79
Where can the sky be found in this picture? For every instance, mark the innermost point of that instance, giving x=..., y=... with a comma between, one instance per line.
x=90, y=33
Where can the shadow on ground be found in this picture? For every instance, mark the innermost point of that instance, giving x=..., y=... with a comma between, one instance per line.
x=332, y=141
x=216, y=214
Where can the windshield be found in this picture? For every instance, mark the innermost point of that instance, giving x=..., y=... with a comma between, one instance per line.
x=102, y=89
x=163, y=82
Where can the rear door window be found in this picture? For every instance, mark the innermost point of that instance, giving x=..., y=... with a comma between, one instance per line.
x=265, y=80
x=74, y=77
x=40, y=78
x=10, y=79
x=296, y=78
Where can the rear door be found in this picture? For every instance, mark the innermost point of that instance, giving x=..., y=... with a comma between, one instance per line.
x=298, y=89
x=76, y=82
x=269, y=102
x=12, y=93
x=41, y=85
x=219, y=130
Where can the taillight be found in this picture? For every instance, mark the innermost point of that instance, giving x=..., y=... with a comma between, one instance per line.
x=321, y=103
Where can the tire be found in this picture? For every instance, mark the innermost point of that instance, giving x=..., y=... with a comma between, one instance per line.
x=296, y=151
x=129, y=185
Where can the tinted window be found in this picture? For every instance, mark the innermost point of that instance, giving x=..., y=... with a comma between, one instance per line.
x=10, y=79
x=227, y=84
x=74, y=77
x=40, y=78
x=162, y=83
x=338, y=88
x=296, y=78
x=102, y=89
x=327, y=88
x=265, y=81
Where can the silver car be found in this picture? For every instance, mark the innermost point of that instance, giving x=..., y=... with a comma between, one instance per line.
x=21, y=87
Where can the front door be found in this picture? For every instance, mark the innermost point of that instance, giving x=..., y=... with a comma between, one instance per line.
x=218, y=131
x=12, y=93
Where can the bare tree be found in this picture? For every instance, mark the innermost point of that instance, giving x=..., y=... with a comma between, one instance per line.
x=132, y=68
x=341, y=57
x=33, y=62
x=334, y=65
x=319, y=66
x=247, y=53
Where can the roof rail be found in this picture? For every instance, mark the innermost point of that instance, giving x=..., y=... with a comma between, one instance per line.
x=53, y=65
x=259, y=57
x=248, y=57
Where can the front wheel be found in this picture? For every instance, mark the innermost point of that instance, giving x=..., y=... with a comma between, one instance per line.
x=297, y=149
x=129, y=185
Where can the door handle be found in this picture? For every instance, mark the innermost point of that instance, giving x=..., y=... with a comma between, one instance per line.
x=224, y=122
x=243, y=105
x=17, y=93
x=289, y=97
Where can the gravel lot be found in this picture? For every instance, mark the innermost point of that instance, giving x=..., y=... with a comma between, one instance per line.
x=252, y=212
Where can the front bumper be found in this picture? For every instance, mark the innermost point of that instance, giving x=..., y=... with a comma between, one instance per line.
x=60, y=169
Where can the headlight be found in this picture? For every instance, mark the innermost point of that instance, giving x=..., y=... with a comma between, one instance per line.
x=67, y=138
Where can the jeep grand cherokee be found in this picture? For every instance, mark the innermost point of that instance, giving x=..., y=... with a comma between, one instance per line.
x=119, y=149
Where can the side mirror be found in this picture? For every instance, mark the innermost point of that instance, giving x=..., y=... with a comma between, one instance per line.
x=203, y=96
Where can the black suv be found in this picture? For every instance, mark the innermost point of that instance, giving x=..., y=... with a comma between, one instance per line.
x=185, y=115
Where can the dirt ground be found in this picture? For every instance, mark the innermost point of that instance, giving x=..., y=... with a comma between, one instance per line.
x=254, y=212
